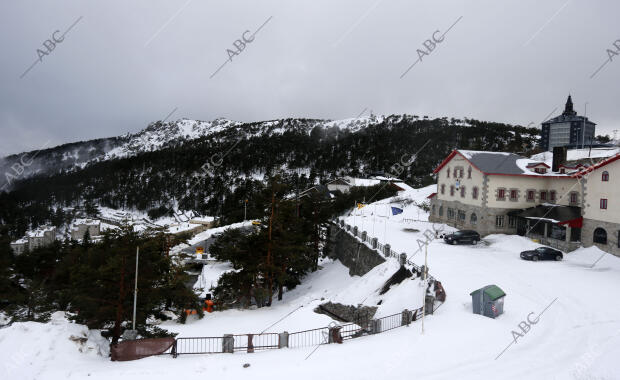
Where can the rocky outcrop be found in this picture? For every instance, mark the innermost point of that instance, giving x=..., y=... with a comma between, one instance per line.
x=347, y=313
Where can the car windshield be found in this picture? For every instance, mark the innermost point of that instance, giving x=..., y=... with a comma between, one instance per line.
x=541, y=250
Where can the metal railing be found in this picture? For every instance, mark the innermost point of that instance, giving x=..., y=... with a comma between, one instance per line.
x=307, y=338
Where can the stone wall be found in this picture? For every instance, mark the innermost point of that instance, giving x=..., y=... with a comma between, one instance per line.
x=612, y=229
x=485, y=223
x=352, y=253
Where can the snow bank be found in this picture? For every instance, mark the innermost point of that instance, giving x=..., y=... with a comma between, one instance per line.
x=32, y=350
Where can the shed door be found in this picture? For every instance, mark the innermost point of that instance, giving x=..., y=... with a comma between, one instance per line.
x=490, y=309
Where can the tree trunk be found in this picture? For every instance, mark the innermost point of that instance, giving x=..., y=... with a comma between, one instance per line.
x=119, y=306
x=270, y=272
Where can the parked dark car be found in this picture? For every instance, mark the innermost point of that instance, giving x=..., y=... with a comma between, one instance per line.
x=460, y=237
x=542, y=253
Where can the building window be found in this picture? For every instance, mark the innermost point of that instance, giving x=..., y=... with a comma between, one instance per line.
x=469, y=172
x=443, y=189
x=451, y=190
x=456, y=172
x=433, y=210
x=573, y=197
x=450, y=213
x=512, y=221
x=499, y=221
x=462, y=191
x=501, y=194
x=461, y=216
x=605, y=177
x=543, y=195
x=474, y=192
x=448, y=172
x=600, y=236
x=462, y=172
x=473, y=219
x=552, y=195
x=440, y=210
x=514, y=195
x=531, y=194
x=603, y=204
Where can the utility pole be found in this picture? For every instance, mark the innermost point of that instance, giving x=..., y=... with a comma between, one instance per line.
x=425, y=285
x=245, y=210
x=135, y=290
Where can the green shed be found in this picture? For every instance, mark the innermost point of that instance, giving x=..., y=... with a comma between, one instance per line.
x=488, y=301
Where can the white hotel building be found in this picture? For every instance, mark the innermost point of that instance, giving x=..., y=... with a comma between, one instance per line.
x=496, y=192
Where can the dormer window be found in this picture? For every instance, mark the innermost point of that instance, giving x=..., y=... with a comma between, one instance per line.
x=538, y=167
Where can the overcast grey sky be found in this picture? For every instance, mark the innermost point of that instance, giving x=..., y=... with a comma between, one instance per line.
x=127, y=63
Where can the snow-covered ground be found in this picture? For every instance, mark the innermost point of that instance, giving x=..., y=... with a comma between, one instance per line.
x=576, y=337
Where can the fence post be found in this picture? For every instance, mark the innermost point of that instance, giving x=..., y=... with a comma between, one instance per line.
x=283, y=340
x=228, y=343
x=341, y=222
x=250, y=343
x=334, y=335
x=375, y=326
x=406, y=318
x=364, y=235
x=403, y=259
x=355, y=229
x=430, y=304
x=373, y=243
x=174, y=349
x=348, y=227
x=386, y=250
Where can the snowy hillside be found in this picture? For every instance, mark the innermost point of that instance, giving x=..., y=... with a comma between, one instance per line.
x=575, y=333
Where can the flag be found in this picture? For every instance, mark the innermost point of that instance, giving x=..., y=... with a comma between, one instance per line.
x=396, y=210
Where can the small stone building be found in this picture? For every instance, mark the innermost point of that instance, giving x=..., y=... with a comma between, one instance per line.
x=81, y=226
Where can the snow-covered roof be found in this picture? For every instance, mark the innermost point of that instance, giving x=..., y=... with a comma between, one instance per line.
x=502, y=163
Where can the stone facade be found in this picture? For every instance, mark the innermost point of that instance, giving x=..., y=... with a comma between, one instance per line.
x=80, y=228
x=612, y=230
x=353, y=254
x=483, y=221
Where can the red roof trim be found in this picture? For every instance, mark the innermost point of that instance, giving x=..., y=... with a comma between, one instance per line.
x=430, y=196
x=445, y=161
x=594, y=167
x=535, y=164
x=574, y=223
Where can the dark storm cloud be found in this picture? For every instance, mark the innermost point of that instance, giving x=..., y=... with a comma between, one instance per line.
x=127, y=63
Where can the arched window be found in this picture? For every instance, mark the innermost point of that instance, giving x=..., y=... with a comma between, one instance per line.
x=443, y=188
x=440, y=210
x=474, y=192
x=600, y=236
x=433, y=210
x=462, y=191
x=605, y=176
x=448, y=172
x=451, y=190
x=469, y=172
x=473, y=219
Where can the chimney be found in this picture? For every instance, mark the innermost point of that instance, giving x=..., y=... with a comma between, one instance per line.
x=559, y=157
